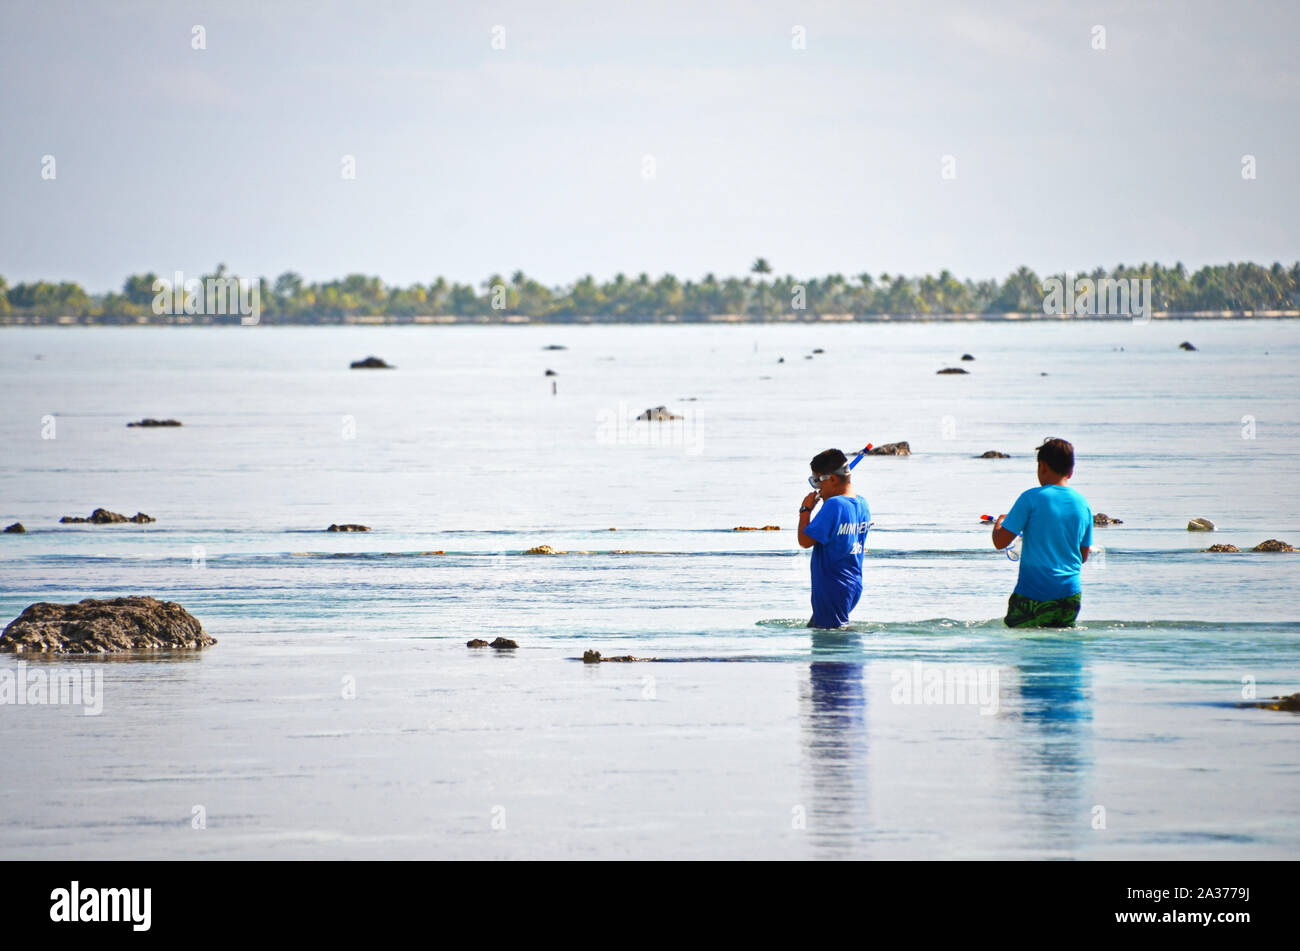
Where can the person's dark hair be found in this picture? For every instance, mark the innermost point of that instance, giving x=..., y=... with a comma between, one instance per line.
x=832, y=460
x=1059, y=456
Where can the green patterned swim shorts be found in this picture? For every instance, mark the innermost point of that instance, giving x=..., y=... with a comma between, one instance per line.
x=1025, y=612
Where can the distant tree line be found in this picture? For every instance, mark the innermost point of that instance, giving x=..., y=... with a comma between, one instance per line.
x=290, y=299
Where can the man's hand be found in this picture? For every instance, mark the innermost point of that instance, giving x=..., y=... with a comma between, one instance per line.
x=809, y=500
x=1001, y=537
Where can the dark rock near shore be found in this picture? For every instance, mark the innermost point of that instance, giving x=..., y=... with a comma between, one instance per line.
x=818, y=350
x=348, y=528
x=593, y=657
x=951, y=370
x=555, y=346
x=107, y=626
x=550, y=373
x=1200, y=525
x=372, y=363
x=1101, y=518
x=1186, y=345
x=477, y=642
x=891, y=449
x=658, y=413
x=967, y=356
x=150, y=423
x=1289, y=704
x=105, y=517
x=753, y=528
x=15, y=529
x=1223, y=548
x=1273, y=545
x=503, y=643
x=994, y=454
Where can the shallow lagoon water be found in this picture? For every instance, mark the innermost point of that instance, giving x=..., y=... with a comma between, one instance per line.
x=751, y=737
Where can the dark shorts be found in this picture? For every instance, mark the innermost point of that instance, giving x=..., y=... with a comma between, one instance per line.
x=1025, y=612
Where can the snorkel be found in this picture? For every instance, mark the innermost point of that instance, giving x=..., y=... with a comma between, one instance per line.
x=1013, y=550
x=815, y=480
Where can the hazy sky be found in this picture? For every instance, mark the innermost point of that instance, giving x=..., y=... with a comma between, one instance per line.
x=472, y=160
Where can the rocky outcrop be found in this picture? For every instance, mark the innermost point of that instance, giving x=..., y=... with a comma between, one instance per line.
x=149, y=423
x=477, y=642
x=348, y=528
x=503, y=643
x=372, y=363
x=1290, y=704
x=967, y=356
x=1273, y=545
x=951, y=370
x=1186, y=345
x=593, y=657
x=994, y=454
x=1223, y=548
x=15, y=529
x=1200, y=525
x=751, y=528
x=543, y=550
x=658, y=413
x=107, y=626
x=1101, y=518
x=891, y=449
x=105, y=517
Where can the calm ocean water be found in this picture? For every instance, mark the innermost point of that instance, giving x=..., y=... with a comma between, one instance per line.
x=341, y=714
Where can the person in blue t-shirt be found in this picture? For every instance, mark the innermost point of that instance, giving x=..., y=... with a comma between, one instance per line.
x=1055, y=522
x=837, y=536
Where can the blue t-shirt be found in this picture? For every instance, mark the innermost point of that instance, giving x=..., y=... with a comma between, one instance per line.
x=1055, y=521
x=840, y=531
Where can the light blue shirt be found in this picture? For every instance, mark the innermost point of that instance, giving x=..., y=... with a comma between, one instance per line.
x=1054, y=521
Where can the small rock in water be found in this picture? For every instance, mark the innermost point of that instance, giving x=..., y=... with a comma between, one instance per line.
x=542, y=550
x=1200, y=525
x=477, y=642
x=1101, y=518
x=371, y=363
x=658, y=413
x=503, y=643
x=891, y=449
x=951, y=370
x=1273, y=545
x=1225, y=548
x=105, y=517
x=1186, y=345
x=1289, y=704
x=105, y=626
x=555, y=346
x=348, y=528
x=550, y=373
x=780, y=360
x=967, y=356
x=994, y=454
x=591, y=657
x=15, y=529
x=155, y=422
x=818, y=350
x=751, y=528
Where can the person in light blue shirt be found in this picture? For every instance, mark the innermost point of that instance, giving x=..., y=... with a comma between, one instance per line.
x=837, y=535
x=1055, y=523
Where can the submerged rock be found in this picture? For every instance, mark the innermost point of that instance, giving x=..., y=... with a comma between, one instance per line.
x=550, y=373
x=542, y=550
x=15, y=529
x=818, y=350
x=503, y=643
x=105, y=517
x=891, y=449
x=372, y=363
x=1224, y=548
x=1273, y=545
x=477, y=642
x=555, y=346
x=950, y=370
x=658, y=413
x=348, y=528
x=155, y=422
x=994, y=454
x=1186, y=345
x=593, y=657
x=1290, y=704
x=107, y=626
x=1101, y=518
x=1200, y=525
x=967, y=356
x=752, y=528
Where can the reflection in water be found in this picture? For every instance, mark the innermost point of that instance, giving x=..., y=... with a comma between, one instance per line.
x=1054, y=751
x=833, y=714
